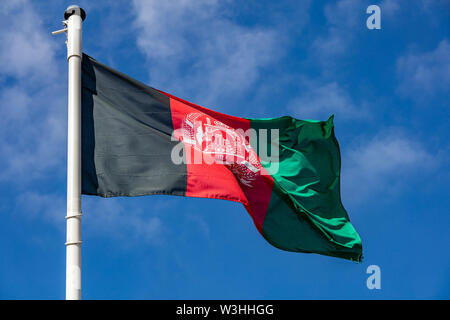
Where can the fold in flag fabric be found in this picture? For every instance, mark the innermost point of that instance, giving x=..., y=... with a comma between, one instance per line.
x=137, y=140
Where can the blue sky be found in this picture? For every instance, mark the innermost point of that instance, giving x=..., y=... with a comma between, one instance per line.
x=389, y=91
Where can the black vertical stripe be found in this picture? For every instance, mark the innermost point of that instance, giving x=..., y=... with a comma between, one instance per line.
x=126, y=136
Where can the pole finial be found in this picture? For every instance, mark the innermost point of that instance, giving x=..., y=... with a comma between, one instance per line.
x=74, y=9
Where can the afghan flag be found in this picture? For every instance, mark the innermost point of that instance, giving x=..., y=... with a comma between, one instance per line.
x=137, y=140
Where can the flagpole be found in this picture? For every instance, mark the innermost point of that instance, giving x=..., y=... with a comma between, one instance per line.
x=74, y=17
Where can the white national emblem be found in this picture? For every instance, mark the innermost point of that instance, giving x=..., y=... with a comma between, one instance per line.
x=223, y=143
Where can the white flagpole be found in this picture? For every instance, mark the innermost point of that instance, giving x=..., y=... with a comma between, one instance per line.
x=74, y=17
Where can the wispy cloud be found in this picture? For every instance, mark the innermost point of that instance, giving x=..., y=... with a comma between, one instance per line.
x=196, y=51
x=424, y=75
x=201, y=224
x=320, y=100
x=389, y=7
x=110, y=218
x=383, y=163
x=50, y=208
x=327, y=94
x=345, y=18
x=124, y=220
x=32, y=126
x=26, y=49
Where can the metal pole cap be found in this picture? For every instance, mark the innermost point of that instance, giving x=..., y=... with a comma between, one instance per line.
x=71, y=10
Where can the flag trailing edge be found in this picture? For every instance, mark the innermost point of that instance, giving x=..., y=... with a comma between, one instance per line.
x=132, y=132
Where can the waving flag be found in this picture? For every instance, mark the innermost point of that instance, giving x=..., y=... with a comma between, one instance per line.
x=137, y=140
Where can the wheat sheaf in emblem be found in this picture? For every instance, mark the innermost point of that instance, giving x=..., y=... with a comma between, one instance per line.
x=222, y=142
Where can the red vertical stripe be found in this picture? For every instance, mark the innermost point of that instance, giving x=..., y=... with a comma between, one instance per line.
x=217, y=180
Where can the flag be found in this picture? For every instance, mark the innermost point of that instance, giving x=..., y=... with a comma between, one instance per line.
x=137, y=140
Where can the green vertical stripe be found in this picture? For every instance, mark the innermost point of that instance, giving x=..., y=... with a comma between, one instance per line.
x=305, y=213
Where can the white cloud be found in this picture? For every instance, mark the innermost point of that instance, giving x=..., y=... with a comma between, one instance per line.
x=26, y=50
x=201, y=224
x=324, y=96
x=45, y=207
x=382, y=164
x=101, y=217
x=424, y=75
x=321, y=100
x=342, y=19
x=194, y=50
x=429, y=6
x=14, y=103
x=123, y=220
x=389, y=7
x=32, y=123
